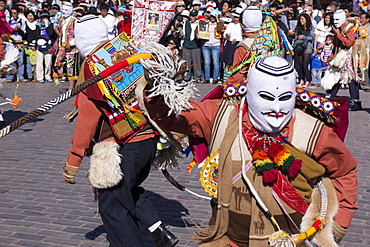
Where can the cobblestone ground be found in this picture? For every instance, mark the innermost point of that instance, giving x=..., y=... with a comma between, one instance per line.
x=38, y=209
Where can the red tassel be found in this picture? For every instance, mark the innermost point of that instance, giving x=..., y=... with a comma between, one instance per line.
x=270, y=176
x=274, y=149
x=294, y=168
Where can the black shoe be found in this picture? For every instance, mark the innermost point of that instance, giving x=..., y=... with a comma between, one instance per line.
x=356, y=106
x=163, y=237
x=2, y=124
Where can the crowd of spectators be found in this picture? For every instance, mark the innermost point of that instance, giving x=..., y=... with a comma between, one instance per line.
x=205, y=34
x=43, y=33
x=209, y=32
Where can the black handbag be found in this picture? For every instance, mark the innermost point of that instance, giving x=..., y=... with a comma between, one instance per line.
x=300, y=46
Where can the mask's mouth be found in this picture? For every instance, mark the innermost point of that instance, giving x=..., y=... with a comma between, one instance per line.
x=275, y=114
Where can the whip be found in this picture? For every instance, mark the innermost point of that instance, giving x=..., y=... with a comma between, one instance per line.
x=72, y=92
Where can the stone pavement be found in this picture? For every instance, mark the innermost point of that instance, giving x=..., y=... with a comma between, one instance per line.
x=38, y=209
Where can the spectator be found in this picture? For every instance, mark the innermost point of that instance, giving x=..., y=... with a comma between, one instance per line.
x=196, y=6
x=317, y=15
x=180, y=6
x=327, y=50
x=331, y=9
x=309, y=11
x=232, y=35
x=22, y=9
x=18, y=34
x=211, y=48
x=31, y=37
x=172, y=45
x=316, y=67
x=125, y=24
x=226, y=16
x=31, y=54
x=174, y=31
x=185, y=15
x=292, y=14
x=130, y=5
x=323, y=29
x=304, y=39
x=191, y=51
x=348, y=9
x=109, y=20
x=45, y=31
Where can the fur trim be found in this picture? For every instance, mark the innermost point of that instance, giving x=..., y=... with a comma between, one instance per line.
x=105, y=170
x=324, y=237
x=330, y=78
x=167, y=158
x=340, y=59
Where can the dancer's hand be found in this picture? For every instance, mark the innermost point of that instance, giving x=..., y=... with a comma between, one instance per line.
x=69, y=173
x=338, y=232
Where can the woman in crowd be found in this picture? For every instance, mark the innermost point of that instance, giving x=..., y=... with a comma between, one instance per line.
x=309, y=11
x=211, y=48
x=31, y=37
x=304, y=39
x=323, y=29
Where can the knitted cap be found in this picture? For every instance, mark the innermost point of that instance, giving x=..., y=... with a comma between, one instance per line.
x=252, y=19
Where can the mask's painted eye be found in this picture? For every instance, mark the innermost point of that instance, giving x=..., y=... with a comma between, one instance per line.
x=285, y=98
x=267, y=97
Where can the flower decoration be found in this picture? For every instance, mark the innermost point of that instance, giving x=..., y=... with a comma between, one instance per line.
x=234, y=92
x=269, y=155
x=319, y=105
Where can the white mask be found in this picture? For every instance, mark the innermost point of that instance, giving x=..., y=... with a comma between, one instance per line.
x=271, y=94
x=67, y=9
x=339, y=18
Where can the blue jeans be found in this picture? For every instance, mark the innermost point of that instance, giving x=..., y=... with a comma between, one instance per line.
x=29, y=68
x=213, y=51
x=20, y=72
x=314, y=71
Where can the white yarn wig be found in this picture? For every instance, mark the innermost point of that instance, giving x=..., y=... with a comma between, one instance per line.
x=161, y=71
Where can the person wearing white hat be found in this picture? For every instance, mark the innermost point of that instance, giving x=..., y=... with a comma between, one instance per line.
x=252, y=20
x=124, y=206
x=343, y=63
x=259, y=197
x=180, y=6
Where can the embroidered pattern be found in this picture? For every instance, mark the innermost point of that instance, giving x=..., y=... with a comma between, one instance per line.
x=320, y=106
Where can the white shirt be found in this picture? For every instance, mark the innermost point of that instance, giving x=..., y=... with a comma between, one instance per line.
x=111, y=23
x=235, y=31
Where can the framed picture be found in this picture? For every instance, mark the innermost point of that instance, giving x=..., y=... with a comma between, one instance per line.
x=153, y=19
x=203, y=29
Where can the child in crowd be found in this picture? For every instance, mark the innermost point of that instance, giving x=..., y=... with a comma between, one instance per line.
x=316, y=67
x=30, y=51
x=327, y=51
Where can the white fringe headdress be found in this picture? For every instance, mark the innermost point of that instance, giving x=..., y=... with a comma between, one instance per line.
x=162, y=71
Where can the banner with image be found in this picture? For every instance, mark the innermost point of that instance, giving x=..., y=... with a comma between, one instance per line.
x=150, y=19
